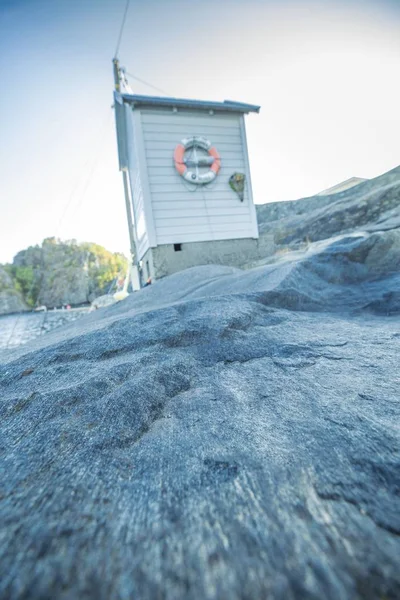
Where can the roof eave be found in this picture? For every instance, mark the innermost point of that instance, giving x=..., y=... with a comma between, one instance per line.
x=227, y=105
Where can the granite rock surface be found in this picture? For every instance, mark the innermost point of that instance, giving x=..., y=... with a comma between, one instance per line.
x=373, y=205
x=200, y=440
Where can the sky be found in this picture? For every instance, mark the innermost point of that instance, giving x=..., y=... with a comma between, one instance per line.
x=326, y=74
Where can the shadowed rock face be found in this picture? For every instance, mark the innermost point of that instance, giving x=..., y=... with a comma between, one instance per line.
x=373, y=206
x=212, y=447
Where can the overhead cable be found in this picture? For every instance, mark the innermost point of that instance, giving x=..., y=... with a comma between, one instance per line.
x=121, y=31
x=147, y=83
x=97, y=157
x=80, y=178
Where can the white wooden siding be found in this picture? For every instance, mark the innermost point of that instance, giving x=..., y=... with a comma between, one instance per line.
x=180, y=211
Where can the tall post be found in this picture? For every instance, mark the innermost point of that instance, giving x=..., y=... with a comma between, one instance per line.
x=135, y=278
x=134, y=270
x=116, y=74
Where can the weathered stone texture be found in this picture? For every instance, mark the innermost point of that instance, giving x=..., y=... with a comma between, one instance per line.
x=198, y=442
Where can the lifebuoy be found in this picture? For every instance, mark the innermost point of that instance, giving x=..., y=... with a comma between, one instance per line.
x=182, y=165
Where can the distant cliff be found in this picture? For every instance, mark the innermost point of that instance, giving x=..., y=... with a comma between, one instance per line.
x=11, y=300
x=57, y=273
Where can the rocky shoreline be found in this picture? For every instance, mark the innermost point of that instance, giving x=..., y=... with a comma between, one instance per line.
x=17, y=329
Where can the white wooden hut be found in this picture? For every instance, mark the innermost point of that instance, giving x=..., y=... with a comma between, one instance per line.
x=187, y=176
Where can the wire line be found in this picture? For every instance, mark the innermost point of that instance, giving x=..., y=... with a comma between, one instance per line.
x=122, y=29
x=80, y=178
x=147, y=83
x=94, y=166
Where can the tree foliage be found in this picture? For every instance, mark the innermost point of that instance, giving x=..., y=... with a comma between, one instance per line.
x=42, y=267
x=24, y=282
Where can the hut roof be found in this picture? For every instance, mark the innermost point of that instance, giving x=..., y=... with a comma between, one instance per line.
x=226, y=105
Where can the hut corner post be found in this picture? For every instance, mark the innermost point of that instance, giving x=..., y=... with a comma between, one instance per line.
x=134, y=267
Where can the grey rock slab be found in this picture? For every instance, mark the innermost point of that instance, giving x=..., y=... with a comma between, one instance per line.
x=212, y=447
x=373, y=205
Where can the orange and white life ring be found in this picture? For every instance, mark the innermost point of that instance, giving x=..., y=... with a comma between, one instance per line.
x=213, y=160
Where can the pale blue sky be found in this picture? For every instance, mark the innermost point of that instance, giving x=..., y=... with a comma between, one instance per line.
x=324, y=72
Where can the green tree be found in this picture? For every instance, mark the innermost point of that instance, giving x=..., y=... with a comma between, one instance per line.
x=38, y=270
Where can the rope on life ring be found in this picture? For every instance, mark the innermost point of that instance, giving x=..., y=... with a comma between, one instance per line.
x=213, y=159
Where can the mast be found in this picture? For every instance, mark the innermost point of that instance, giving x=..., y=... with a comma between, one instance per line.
x=134, y=270
x=116, y=74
